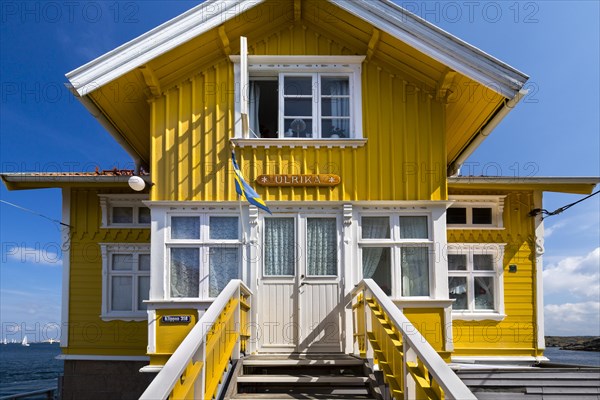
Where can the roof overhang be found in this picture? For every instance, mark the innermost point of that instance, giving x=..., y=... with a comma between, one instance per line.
x=22, y=181
x=575, y=185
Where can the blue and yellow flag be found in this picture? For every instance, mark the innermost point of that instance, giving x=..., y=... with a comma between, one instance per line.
x=244, y=189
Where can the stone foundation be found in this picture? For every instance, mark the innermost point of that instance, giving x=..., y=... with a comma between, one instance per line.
x=103, y=380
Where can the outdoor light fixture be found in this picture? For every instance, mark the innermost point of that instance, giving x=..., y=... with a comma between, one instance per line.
x=136, y=183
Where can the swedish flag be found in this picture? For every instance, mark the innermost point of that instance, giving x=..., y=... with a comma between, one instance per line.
x=244, y=189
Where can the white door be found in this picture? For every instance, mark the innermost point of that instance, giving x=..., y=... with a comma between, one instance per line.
x=300, y=284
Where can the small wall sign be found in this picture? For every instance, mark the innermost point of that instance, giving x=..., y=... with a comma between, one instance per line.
x=176, y=319
x=299, y=180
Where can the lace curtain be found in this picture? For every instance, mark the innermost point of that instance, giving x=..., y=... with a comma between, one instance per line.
x=415, y=271
x=373, y=228
x=280, y=242
x=185, y=272
x=321, y=246
x=223, y=267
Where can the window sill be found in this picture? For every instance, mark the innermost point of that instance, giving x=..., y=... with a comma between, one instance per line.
x=466, y=316
x=475, y=227
x=303, y=143
x=126, y=318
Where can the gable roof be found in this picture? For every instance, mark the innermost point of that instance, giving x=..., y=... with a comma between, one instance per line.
x=382, y=14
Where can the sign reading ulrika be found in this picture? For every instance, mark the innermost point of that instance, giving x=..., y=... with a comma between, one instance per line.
x=299, y=180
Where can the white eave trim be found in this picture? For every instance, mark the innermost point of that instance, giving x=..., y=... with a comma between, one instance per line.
x=543, y=180
x=156, y=42
x=383, y=14
x=438, y=44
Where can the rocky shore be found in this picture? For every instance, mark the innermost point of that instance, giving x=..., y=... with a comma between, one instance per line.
x=581, y=343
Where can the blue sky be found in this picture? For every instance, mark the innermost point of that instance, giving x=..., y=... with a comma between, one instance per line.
x=553, y=132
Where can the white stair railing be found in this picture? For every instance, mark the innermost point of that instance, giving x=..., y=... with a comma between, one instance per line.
x=196, y=368
x=411, y=367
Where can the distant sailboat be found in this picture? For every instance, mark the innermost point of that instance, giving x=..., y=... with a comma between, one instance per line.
x=5, y=341
x=24, y=342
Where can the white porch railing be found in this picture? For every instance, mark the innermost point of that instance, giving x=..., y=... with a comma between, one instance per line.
x=198, y=365
x=412, y=368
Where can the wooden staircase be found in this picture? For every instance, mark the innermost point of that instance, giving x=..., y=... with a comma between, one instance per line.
x=533, y=383
x=300, y=377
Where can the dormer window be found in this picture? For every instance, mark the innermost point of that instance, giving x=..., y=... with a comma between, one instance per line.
x=124, y=211
x=300, y=97
x=475, y=212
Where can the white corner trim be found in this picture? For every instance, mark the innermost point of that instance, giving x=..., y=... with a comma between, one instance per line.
x=539, y=265
x=93, y=357
x=66, y=267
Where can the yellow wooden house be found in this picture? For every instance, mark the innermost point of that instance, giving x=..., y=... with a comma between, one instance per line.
x=351, y=119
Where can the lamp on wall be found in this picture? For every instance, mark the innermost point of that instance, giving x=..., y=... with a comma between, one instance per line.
x=136, y=183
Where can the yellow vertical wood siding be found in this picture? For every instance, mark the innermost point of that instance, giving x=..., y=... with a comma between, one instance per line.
x=88, y=334
x=404, y=158
x=516, y=335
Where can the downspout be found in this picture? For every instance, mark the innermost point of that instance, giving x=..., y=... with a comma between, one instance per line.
x=454, y=167
x=96, y=113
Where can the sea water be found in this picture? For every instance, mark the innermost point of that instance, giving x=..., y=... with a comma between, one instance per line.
x=576, y=357
x=29, y=368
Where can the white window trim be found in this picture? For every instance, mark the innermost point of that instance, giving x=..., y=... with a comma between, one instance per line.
x=496, y=203
x=107, y=249
x=203, y=244
x=108, y=201
x=396, y=244
x=497, y=250
x=277, y=65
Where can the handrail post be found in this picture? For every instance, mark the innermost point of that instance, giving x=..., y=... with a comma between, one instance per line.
x=410, y=388
x=199, y=385
x=368, y=325
x=235, y=354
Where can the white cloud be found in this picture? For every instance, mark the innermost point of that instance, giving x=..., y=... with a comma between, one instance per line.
x=47, y=255
x=548, y=231
x=573, y=319
x=577, y=276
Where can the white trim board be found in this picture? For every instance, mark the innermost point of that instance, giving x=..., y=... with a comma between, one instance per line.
x=66, y=267
x=92, y=357
x=382, y=14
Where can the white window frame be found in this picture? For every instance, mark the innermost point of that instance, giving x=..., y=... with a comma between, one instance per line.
x=107, y=251
x=496, y=203
x=203, y=244
x=110, y=201
x=496, y=250
x=395, y=243
x=279, y=66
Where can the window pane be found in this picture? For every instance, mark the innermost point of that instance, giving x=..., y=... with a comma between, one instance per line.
x=335, y=86
x=375, y=227
x=122, y=215
x=185, y=272
x=122, y=262
x=484, y=293
x=185, y=228
x=298, y=86
x=144, y=215
x=222, y=228
x=321, y=246
x=335, y=107
x=413, y=228
x=457, y=287
x=144, y=262
x=298, y=127
x=457, y=262
x=121, y=293
x=377, y=266
x=482, y=216
x=335, y=128
x=295, y=107
x=143, y=291
x=415, y=271
x=280, y=246
x=483, y=262
x=224, y=266
x=456, y=215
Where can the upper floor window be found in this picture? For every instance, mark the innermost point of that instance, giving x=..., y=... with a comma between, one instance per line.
x=299, y=97
x=124, y=211
x=395, y=253
x=204, y=254
x=125, y=280
x=478, y=212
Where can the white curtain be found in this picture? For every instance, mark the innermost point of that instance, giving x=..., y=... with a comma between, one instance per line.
x=185, y=272
x=371, y=258
x=254, y=104
x=415, y=271
x=413, y=227
x=321, y=246
x=280, y=242
x=373, y=228
x=223, y=267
